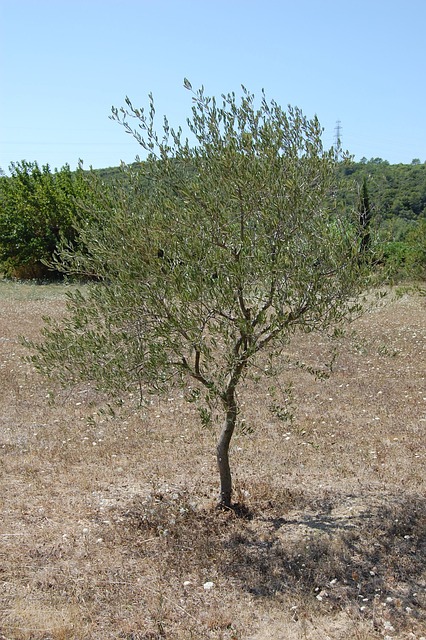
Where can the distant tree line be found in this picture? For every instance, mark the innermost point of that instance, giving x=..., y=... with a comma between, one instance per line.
x=397, y=190
x=40, y=208
x=397, y=201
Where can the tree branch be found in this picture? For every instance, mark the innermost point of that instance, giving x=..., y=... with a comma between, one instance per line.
x=194, y=372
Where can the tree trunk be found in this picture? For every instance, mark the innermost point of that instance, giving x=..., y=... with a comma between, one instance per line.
x=223, y=452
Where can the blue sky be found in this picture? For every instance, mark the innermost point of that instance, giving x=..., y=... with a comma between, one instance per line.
x=64, y=63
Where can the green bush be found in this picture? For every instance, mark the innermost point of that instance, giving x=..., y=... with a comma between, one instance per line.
x=416, y=239
x=407, y=258
x=37, y=207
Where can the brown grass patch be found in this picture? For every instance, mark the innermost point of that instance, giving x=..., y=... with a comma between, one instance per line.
x=109, y=528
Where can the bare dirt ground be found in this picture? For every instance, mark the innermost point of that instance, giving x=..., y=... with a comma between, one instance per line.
x=108, y=526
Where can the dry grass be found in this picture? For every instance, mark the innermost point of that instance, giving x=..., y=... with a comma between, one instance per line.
x=109, y=528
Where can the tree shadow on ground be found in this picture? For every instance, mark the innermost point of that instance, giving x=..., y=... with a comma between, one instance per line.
x=371, y=558
x=375, y=556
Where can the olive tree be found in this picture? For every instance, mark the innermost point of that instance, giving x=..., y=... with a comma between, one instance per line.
x=216, y=249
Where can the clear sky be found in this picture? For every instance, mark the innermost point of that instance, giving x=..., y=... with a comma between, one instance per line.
x=64, y=63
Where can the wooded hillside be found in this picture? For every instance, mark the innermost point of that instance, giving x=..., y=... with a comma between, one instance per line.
x=32, y=197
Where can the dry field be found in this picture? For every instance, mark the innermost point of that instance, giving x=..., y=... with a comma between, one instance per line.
x=108, y=525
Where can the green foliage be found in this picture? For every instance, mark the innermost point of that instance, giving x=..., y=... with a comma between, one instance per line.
x=406, y=259
x=395, y=190
x=36, y=209
x=206, y=255
x=416, y=252
x=396, y=204
x=396, y=256
x=31, y=198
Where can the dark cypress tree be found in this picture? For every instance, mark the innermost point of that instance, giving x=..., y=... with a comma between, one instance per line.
x=365, y=215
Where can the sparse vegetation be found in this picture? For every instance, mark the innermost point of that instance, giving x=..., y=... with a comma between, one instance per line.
x=107, y=529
